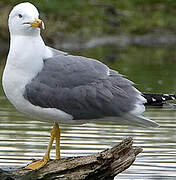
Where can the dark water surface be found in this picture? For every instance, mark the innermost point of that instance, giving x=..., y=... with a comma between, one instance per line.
x=153, y=70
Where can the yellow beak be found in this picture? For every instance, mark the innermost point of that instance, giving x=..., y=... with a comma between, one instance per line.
x=38, y=23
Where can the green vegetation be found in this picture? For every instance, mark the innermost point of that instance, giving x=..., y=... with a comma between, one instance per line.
x=96, y=18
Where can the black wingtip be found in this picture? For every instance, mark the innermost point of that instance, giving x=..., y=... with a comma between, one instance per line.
x=157, y=99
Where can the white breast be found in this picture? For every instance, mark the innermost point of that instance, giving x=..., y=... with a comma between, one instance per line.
x=24, y=61
x=21, y=67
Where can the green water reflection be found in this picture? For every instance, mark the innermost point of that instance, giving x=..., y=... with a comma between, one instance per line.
x=152, y=69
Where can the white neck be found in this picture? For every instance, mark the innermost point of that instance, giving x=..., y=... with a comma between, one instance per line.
x=27, y=53
x=25, y=60
x=24, y=51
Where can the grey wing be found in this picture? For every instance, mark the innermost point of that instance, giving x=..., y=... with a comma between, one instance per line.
x=82, y=87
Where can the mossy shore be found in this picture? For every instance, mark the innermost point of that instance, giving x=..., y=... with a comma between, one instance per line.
x=78, y=20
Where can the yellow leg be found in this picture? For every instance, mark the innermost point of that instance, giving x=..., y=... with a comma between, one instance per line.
x=57, y=141
x=55, y=133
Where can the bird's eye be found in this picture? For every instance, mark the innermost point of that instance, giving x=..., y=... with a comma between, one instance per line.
x=20, y=16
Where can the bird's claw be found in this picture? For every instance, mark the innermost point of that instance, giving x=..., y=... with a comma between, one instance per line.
x=37, y=164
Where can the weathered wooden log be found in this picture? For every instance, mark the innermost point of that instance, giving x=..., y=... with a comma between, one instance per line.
x=104, y=165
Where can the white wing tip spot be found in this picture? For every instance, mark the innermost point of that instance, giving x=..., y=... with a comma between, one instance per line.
x=153, y=99
x=173, y=97
x=163, y=98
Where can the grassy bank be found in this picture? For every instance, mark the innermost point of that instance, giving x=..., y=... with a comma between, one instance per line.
x=88, y=18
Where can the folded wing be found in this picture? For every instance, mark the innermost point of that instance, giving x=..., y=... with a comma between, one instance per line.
x=84, y=88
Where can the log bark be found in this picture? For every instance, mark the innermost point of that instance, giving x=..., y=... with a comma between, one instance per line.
x=104, y=165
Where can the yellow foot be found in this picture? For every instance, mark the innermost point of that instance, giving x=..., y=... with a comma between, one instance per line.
x=36, y=165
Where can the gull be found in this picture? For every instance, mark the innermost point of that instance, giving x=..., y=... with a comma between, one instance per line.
x=50, y=85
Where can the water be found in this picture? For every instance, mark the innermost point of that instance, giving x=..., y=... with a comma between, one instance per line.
x=23, y=139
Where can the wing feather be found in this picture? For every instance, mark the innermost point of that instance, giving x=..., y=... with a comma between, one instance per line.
x=82, y=87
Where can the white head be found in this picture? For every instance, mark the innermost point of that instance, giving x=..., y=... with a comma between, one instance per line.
x=23, y=20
